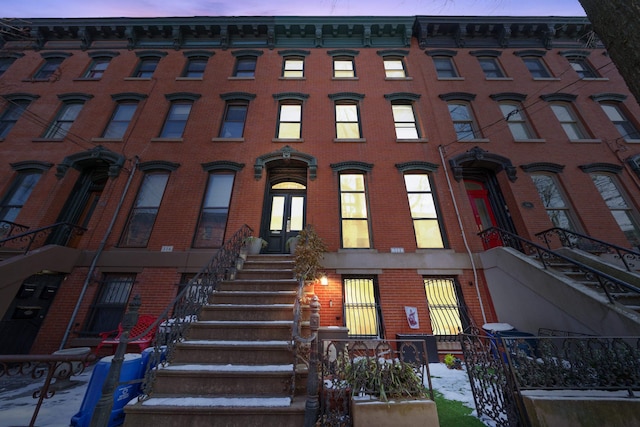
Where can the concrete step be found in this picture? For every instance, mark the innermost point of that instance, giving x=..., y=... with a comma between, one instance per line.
x=245, y=312
x=258, y=285
x=179, y=411
x=247, y=330
x=253, y=297
x=263, y=273
x=220, y=352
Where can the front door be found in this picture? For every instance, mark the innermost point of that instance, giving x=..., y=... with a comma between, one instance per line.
x=482, y=211
x=22, y=321
x=284, y=215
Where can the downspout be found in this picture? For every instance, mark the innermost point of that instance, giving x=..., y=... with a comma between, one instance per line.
x=96, y=256
x=464, y=236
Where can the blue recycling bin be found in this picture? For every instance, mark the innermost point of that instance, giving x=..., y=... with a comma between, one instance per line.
x=132, y=369
x=511, y=339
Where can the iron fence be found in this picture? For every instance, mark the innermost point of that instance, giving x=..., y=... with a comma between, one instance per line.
x=373, y=368
x=60, y=233
x=500, y=368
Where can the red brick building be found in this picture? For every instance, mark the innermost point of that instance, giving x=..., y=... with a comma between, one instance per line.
x=398, y=138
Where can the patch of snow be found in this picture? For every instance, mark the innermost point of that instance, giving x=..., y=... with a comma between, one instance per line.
x=218, y=401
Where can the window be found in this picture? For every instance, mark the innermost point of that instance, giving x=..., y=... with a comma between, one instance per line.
x=245, y=66
x=97, y=68
x=423, y=211
x=514, y=115
x=536, y=67
x=353, y=211
x=405, y=121
x=582, y=67
x=554, y=201
x=347, y=121
x=444, y=67
x=343, y=67
x=620, y=121
x=293, y=67
x=176, y=119
x=491, y=68
x=361, y=307
x=215, y=210
x=146, y=67
x=63, y=121
x=48, y=68
x=233, y=122
x=144, y=212
x=6, y=61
x=195, y=67
x=445, y=308
x=567, y=118
x=617, y=204
x=394, y=68
x=110, y=304
x=18, y=193
x=14, y=110
x=290, y=121
x=463, y=121
x=120, y=120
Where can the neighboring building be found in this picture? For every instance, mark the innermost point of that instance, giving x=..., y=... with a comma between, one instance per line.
x=398, y=138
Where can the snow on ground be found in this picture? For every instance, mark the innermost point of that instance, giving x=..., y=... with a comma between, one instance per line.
x=17, y=403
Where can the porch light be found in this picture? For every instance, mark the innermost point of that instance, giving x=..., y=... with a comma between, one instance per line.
x=323, y=280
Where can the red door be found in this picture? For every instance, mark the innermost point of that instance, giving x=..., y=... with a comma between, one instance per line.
x=482, y=212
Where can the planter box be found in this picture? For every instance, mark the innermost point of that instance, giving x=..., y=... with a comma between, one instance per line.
x=394, y=413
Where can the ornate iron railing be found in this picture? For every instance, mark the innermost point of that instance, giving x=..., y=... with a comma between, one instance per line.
x=36, y=238
x=374, y=368
x=500, y=368
x=571, y=239
x=52, y=369
x=612, y=287
x=8, y=228
x=175, y=320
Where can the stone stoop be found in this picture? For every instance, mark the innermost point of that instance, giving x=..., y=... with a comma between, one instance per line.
x=235, y=367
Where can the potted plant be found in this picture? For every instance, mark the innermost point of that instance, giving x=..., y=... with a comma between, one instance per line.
x=292, y=243
x=308, y=255
x=254, y=244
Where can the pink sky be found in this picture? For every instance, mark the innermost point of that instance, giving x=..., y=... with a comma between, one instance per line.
x=159, y=8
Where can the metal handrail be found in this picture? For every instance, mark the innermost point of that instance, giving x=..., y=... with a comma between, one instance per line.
x=36, y=238
x=606, y=282
x=574, y=240
x=7, y=228
x=173, y=323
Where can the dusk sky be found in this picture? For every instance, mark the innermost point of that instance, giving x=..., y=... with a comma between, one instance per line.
x=160, y=8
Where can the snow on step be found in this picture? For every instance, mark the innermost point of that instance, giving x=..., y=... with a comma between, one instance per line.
x=266, y=402
x=231, y=368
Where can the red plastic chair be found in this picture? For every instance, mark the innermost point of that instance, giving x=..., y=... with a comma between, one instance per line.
x=112, y=338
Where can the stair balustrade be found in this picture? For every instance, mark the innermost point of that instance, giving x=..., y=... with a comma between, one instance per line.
x=36, y=238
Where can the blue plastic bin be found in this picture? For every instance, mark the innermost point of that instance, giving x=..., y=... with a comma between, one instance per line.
x=132, y=369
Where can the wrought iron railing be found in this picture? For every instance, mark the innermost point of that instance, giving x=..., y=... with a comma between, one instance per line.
x=500, y=368
x=36, y=238
x=571, y=239
x=52, y=369
x=612, y=287
x=173, y=323
x=381, y=369
x=8, y=229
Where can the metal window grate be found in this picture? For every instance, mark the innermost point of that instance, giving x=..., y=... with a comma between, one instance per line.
x=361, y=308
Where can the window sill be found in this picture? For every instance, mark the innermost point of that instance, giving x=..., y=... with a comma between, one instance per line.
x=451, y=78
x=47, y=140
x=227, y=139
x=241, y=78
x=546, y=79
x=530, y=140
x=137, y=79
x=586, y=141
x=188, y=78
x=35, y=80
x=412, y=140
x=474, y=140
x=632, y=141
x=345, y=78
x=499, y=79
x=167, y=139
x=398, y=78
x=291, y=78
x=596, y=79
x=87, y=79
x=287, y=140
x=106, y=139
x=349, y=140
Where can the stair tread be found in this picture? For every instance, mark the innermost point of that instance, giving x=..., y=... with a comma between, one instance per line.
x=245, y=322
x=229, y=368
x=237, y=343
x=236, y=402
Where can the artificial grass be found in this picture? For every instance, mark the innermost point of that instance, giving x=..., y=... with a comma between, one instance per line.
x=454, y=414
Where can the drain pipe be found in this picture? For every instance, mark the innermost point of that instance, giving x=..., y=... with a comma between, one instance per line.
x=464, y=236
x=94, y=262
